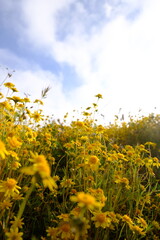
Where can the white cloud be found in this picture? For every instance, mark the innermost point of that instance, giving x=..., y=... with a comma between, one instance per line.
x=118, y=59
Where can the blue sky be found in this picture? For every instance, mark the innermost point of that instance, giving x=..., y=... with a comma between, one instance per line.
x=81, y=48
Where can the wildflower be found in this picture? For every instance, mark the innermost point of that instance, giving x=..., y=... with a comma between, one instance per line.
x=14, y=142
x=64, y=217
x=65, y=231
x=52, y=232
x=3, y=150
x=26, y=99
x=49, y=182
x=40, y=166
x=6, y=105
x=15, y=99
x=86, y=114
x=93, y=162
x=17, y=222
x=14, y=89
x=84, y=200
x=156, y=225
x=127, y=219
x=84, y=138
x=150, y=144
x=99, y=195
x=9, y=187
x=14, y=155
x=36, y=116
x=79, y=124
x=101, y=220
x=14, y=234
x=142, y=222
x=98, y=96
x=67, y=183
x=137, y=229
x=76, y=211
x=9, y=85
x=15, y=165
x=38, y=101
x=17, y=196
x=56, y=178
x=6, y=204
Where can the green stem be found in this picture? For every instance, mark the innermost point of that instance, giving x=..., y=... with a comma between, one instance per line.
x=23, y=204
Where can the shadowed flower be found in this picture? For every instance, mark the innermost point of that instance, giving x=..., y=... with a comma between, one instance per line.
x=127, y=219
x=9, y=187
x=52, y=233
x=101, y=220
x=14, y=234
x=65, y=231
x=6, y=204
x=137, y=230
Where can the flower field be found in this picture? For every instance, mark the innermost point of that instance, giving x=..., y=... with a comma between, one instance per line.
x=78, y=181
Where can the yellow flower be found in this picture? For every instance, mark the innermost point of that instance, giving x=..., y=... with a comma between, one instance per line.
x=26, y=99
x=40, y=166
x=14, y=89
x=101, y=220
x=137, y=229
x=93, y=162
x=9, y=187
x=127, y=219
x=67, y=183
x=52, y=232
x=49, y=182
x=9, y=85
x=17, y=222
x=15, y=99
x=142, y=222
x=3, y=150
x=14, y=234
x=14, y=142
x=14, y=155
x=6, y=204
x=65, y=231
x=38, y=101
x=84, y=200
x=6, y=105
x=36, y=116
x=99, y=195
x=64, y=217
x=15, y=165
x=99, y=95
